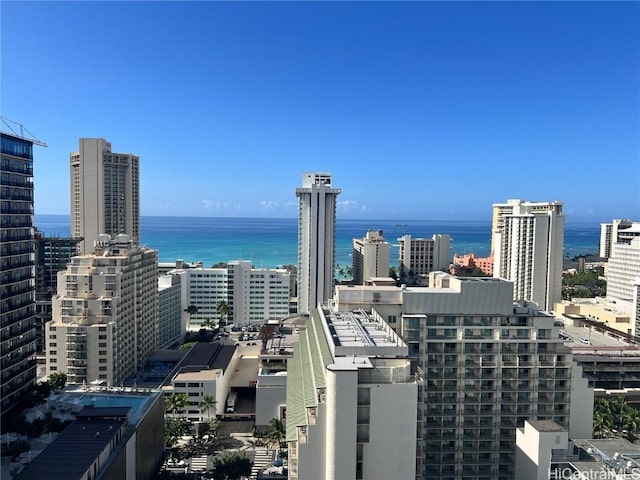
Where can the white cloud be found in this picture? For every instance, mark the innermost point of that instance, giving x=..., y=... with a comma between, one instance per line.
x=215, y=205
x=351, y=206
x=268, y=204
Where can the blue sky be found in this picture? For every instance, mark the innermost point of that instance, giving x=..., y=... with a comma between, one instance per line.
x=419, y=110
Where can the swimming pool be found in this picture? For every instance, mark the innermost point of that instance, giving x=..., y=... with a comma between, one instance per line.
x=112, y=400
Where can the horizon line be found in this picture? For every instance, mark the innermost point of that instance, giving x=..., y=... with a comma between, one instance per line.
x=488, y=221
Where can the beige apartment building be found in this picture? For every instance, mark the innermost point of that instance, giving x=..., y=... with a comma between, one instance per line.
x=370, y=257
x=422, y=256
x=104, y=314
x=105, y=193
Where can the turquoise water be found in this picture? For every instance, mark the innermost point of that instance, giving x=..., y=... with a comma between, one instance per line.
x=135, y=402
x=272, y=242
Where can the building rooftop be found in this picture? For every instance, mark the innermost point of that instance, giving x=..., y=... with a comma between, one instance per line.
x=607, y=458
x=206, y=356
x=77, y=447
x=546, y=426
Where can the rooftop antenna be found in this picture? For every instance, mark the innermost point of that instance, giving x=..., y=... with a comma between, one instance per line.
x=19, y=130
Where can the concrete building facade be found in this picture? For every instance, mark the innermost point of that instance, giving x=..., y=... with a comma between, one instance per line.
x=528, y=242
x=612, y=233
x=17, y=271
x=350, y=389
x=253, y=295
x=316, y=240
x=105, y=193
x=370, y=257
x=169, y=310
x=422, y=256
x=205, y=370
x=623, y=277
x=105, y=313
x=489, y=364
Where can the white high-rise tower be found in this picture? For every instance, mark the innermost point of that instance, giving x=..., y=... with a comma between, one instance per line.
x=316, y=240
x=105, y=193
x=528, y=242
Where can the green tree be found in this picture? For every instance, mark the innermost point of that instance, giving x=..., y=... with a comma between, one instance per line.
x=208, y=324
x=177, y=403
x=615, y=418
x=275, y=433
x=207, y=403
x=191, y=311
x=232, y=466
x=223, y=312
x=57, y=380
x=393, y=273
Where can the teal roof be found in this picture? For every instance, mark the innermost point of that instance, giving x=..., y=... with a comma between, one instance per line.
x=306, y=374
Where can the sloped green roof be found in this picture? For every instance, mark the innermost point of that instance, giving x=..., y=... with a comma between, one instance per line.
x=306, y=373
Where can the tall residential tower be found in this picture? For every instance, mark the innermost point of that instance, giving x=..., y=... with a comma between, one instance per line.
x=105, y=196
x=17, y=271
x=527, y=241
x=105, y=313
x=316, y=240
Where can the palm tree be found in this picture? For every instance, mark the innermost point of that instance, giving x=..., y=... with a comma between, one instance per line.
x=179, y=401
x=191, y=310
x=275, y=433
x=207, y=402
x=223, y=312
x=208, y=324
x=615, y=418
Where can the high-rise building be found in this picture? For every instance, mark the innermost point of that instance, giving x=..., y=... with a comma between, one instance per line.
x=528, y=242
x=623, y=276
x=489, y=364
x=316, y=240
x=52, y=255
x=370, y=258
x=105, y=313
x=105, y=196
x=17, y=270
x=421, y=256
x=351, y=404
x=612, y=233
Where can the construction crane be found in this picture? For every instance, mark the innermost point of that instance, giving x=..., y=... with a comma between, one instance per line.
x=14, y=127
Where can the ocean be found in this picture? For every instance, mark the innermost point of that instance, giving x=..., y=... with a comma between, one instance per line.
x=272, y=242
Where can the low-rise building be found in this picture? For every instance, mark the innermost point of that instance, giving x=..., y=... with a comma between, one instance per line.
x=469, y=261
x=205, y=370
x=116, y=436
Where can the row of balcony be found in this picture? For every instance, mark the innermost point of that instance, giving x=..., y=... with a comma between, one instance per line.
x=24, y=196
x=11, y=375
x=17, y=180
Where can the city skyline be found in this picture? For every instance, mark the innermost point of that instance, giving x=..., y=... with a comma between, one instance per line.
x=459, y=104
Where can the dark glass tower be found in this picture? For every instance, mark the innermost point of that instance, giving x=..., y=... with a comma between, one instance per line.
x=52, y=255
x=17, y=271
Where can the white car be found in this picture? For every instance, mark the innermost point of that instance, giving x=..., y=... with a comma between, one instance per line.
x=585, y=341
